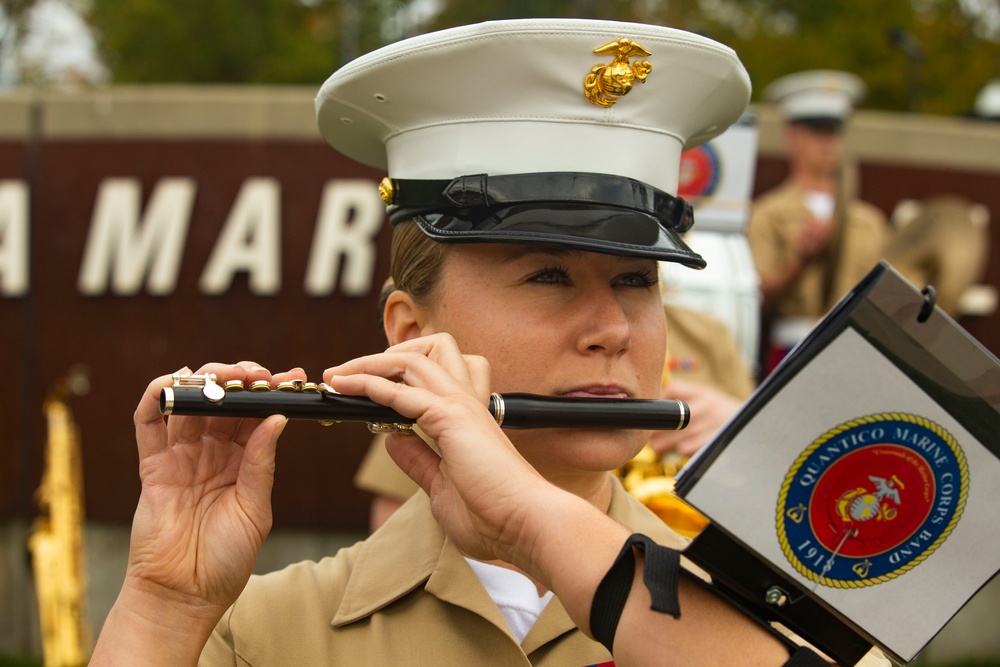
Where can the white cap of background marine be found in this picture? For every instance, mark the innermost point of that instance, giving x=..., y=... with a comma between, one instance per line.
x=816, y=96
x=987, y=103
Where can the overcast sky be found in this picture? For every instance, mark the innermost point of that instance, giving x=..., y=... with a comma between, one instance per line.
x=57, y=47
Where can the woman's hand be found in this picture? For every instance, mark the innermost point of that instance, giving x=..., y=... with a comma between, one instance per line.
x=203, y=514
x=710, y=409
x=493, y=505
x=813, y=238
x=430, y=380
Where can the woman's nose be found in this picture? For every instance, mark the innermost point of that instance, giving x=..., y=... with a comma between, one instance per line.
x=606, y=327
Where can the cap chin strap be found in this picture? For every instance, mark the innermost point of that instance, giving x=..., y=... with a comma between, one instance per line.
x=411, y=197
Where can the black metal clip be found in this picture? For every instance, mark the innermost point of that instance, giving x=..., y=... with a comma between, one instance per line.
x=930, y=296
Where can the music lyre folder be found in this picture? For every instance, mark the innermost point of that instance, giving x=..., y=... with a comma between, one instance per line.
x=854, y=498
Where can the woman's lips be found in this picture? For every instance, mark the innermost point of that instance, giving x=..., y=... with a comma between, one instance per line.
x=598, y=392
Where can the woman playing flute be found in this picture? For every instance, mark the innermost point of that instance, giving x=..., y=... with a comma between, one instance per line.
x=535, y=273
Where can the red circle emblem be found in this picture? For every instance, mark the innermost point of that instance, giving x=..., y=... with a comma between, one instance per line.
x=699, y=172
x=871, y=499
x=860, y=494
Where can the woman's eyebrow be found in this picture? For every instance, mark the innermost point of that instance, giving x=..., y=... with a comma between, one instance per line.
x=550, y=251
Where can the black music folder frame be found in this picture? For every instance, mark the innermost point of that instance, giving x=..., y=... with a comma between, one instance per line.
x=852, y=499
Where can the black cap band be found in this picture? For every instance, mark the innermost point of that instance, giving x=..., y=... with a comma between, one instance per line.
x=592, y=212
x=413, y=197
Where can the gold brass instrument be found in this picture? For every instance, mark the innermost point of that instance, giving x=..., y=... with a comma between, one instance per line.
x=56, y=542
x=650, y=478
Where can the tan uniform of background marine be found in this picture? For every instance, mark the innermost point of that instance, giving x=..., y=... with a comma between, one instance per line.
x=942, y=241
x=857, y=246
x=811, y=238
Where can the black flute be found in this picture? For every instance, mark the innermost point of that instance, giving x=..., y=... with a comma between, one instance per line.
x=191, y=395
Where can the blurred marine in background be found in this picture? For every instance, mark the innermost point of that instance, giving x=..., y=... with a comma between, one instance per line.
x=812, y=239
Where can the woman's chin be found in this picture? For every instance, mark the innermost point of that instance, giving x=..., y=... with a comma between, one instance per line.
x=578, y=449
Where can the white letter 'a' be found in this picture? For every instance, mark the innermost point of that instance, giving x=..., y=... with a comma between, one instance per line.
x=13, y=238
x=338, y=235
x=250, y=241
x=120, y=247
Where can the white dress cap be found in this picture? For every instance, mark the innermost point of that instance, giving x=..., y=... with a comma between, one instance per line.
x=557, y=131
x=816, y=95
x=507, y=97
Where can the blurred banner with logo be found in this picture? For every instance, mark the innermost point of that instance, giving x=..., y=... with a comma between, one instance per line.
x=717, y=178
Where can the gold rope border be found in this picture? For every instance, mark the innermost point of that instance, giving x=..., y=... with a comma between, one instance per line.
x=869, y=419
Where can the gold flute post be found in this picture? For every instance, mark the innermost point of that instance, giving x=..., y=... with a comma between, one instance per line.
x=56, y=540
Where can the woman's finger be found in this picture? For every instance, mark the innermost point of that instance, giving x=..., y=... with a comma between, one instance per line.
x=247, y=426
x=194, y=429
x=399, y=360
x=256, y=477
x=415, y=458
x=150, y=428
x=480, y=374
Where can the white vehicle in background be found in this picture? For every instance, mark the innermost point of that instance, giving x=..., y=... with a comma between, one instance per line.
x=717, y=179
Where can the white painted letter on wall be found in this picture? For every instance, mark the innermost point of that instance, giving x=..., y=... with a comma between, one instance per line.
x=13, y=238
x=341, y=234
x=250, y=241
x=119, y=247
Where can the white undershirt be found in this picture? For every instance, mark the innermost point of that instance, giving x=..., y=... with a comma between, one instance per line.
x=514, y=594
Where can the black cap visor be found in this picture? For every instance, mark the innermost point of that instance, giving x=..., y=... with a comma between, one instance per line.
x=592, y=212
x=607, y=230
x=820, y=124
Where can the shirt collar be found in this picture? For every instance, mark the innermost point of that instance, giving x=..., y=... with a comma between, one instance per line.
x=393, y=561
x=385, y=572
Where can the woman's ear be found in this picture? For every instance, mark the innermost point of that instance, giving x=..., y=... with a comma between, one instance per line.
x=402, y=318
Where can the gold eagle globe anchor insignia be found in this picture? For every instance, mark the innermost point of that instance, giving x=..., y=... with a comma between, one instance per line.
x=606, y=84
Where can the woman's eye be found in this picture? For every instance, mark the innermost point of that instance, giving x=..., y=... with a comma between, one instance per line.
x=639, y=279
x=550, y=276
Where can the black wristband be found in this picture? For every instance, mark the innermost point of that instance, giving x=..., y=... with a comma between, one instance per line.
x=660, y=573
x=806, y=657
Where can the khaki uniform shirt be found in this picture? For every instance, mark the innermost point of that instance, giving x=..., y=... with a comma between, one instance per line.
x=775, y=219
x=701, y=348
x=405, y=596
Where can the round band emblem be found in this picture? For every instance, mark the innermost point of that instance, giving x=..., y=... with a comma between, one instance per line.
x=700, y=172
x=871, y=499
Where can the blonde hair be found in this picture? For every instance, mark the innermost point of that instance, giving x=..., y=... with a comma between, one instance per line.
x=415, y=262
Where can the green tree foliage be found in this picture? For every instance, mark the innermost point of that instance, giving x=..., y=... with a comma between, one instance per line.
x=921, y=55
x=219, y=41
x=928, y=56
x=234, y=41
